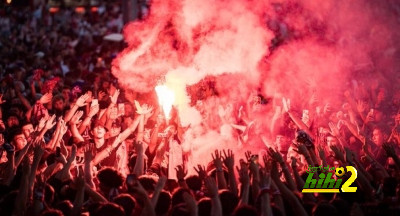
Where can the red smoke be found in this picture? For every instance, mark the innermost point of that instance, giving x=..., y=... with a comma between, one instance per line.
x=281, y=48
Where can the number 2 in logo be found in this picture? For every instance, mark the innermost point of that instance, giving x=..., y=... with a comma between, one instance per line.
x=346, y=186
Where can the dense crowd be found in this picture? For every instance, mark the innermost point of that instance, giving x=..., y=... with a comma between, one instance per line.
x=73, y=142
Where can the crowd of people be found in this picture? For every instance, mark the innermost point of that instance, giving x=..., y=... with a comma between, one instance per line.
x=73, y=142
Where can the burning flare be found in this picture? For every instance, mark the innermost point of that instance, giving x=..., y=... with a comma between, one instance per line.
x=166, y=98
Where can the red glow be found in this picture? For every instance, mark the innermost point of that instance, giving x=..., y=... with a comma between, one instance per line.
x=80, y=9
x=94, y=9
x=54, y=9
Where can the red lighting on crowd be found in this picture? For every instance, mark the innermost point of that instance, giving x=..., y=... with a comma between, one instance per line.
x=54, y=9
x=80, y=10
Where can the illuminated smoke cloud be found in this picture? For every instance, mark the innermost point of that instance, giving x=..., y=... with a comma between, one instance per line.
x=320, y=47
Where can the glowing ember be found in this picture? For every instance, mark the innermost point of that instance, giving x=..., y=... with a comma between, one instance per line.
x=166, y=98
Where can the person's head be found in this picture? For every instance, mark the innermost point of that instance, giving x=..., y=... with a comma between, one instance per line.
x=378, y=136
x=109, y=209
x=27, y=129
x=229, y=201
x=163, y=203
x=66, y=92
x=172, y=129
x=148, y=182
x=109, y=178
x=331, y=140
x=194, y=183
x=282, y=142
x=127, y=202
x=115, y=128
x=12, y=121
x=177, y=196
x=204, y=207
x=98, y=130
x=17, y=138
x=58, y=103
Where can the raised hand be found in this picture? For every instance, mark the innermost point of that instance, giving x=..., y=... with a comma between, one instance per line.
x=301, y=149
x=94, y=110
x=248, y=154
x=63, y=126
x=180, y=172
x=76, y=117
x=321, y=153
x=338, y=153
x=90, y=152
x=276, y=156
x=114, y=97
x=217, y=159
x=81, y=101
x=46, y=98
x=42, y=123
x=228, y=159
x=101, y=95
x=50, y=122
x=334, y=130
x=201, y=171
x=244, y=177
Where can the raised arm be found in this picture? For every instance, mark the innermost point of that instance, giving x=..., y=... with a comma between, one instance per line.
x=229, y=162
x=80, y=102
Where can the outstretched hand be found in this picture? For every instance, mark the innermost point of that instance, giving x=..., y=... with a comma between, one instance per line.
x=201, y=171
x=180, y=172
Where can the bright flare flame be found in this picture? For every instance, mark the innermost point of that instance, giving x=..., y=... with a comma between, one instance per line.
x=166, y=98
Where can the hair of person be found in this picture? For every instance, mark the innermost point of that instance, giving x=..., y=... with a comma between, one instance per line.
x=127, y=202
x=229, y=201
x=177, y=196
x=204, y=206
x=109, y=209
x=194, y=182
x=163, y=203
x=110, y=177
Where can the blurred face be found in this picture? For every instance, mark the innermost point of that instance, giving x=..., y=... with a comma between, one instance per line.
x=115, y=130
x=377, y=137
x=99, y=132
x=12, y=121
x=330, y=140
x=281, y=142
x=27, y=129
x=19, y=141
x=59, y=105
x=65, y=94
